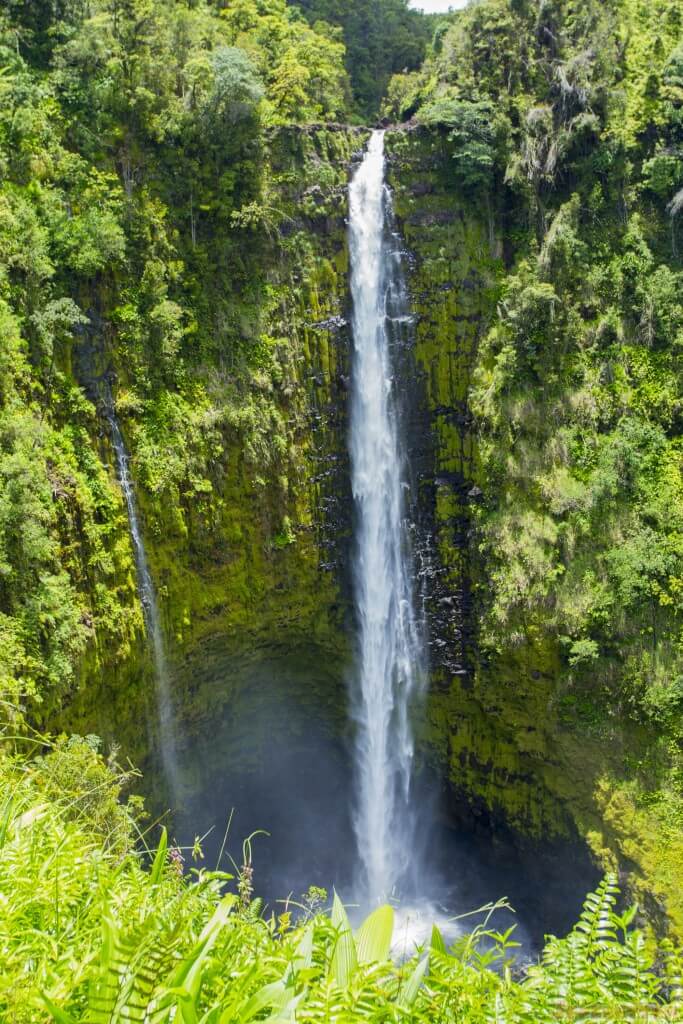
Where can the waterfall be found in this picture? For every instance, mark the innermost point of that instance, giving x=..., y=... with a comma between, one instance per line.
x=391, y=653
x=167, y=739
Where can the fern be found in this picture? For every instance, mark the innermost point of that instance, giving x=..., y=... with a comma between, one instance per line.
x=596, y=922
x=188, y=959
x=132, y=966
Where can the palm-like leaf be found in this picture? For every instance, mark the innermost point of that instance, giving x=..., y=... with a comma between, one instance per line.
x=373, y=938
x=344, y=960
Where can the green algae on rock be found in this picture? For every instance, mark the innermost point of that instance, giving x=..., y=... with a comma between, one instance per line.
x=500, y=721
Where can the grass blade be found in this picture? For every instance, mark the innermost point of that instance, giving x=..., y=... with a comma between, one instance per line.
x=412, y=986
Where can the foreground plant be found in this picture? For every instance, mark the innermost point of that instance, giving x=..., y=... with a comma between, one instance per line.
x=89, y=935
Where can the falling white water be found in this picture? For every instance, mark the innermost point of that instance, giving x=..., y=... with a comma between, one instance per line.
x=390, y=671
x=150, y=609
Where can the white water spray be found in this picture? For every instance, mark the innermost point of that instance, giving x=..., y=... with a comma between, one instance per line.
x=391, y=651
x=167, y=738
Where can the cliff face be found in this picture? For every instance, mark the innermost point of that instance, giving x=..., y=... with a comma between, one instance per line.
x=487, y=720
x=500, y=722
x=248, y=543
x=245, y=554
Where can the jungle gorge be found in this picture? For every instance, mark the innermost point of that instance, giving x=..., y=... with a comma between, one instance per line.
x=341, y=511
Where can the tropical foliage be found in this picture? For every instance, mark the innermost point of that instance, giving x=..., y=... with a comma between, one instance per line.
x=563, y=127
x=92, y=931
x=144, y=222
x=135, y=224
x=382, y=38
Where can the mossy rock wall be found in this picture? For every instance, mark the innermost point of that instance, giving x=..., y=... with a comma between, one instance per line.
x=251, y=561
x=494, y=724
x=249, y=569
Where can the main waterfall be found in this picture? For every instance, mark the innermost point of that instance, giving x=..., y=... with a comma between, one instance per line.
x=391, y=651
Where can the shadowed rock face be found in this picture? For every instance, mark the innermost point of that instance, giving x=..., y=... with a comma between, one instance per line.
x=266, y=749
x=488, y=729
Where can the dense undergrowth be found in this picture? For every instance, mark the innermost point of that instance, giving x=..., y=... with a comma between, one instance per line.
x=93, y=931
x=567, y=118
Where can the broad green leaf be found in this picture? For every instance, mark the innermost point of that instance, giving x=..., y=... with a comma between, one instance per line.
x=344, y=961
x=304, y=952
x=188, y=975
x=187, y=1007
x=287, y=1013
x=6, y=818
x=373, y=938
x=412, y=986
x=30, y=817
x=61, y=1016
x=437, y=942
x=275, y=995
x=160, y=859
x=212, y=1016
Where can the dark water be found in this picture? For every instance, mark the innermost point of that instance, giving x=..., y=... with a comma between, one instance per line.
x=270, y=752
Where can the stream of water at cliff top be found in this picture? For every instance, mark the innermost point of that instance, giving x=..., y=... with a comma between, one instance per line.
x=391, y=654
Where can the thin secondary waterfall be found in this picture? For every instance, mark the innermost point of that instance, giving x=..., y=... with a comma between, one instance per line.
x=167, y=739
x=391, y=651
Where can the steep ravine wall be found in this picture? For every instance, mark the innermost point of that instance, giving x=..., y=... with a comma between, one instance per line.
x=251, y=570
x=494, y=726
x=252, y=604
x=491, y=745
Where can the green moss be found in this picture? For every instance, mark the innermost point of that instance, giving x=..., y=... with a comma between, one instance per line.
x=233, y=523
x=511, y=731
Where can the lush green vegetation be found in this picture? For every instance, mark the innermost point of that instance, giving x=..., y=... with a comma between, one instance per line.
x=578, y=388
x=153, y=238
x=89, y=933
x=563, y=125
x=136, y=224
x=382, y=38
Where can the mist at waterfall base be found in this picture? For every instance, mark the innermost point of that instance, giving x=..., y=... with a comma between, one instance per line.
x=297, y=788
x=347, y=808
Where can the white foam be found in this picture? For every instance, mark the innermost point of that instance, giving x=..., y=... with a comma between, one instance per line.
x=413, y=924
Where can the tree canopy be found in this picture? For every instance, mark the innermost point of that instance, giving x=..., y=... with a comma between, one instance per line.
x=382, y=38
